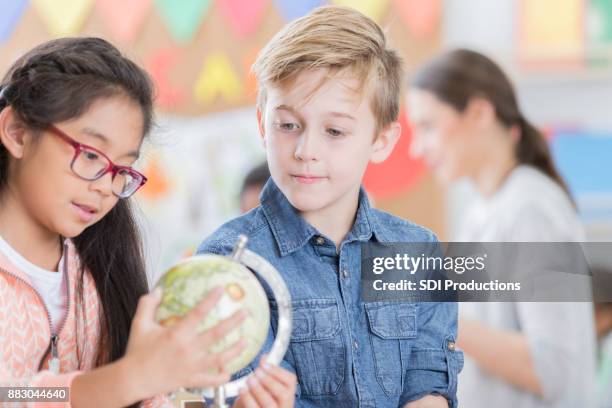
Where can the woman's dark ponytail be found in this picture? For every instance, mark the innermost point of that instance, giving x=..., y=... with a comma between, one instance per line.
x=532, y=149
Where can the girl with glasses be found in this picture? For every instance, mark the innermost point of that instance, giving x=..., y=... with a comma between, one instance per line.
x=74, y=308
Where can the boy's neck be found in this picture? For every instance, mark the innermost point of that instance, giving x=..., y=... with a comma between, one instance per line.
x=336, y=220
x=26, y=236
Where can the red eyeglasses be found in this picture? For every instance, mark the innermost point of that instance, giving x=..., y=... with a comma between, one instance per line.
x=91, y=164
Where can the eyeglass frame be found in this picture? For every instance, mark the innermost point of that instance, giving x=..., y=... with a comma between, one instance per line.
x=111, y=168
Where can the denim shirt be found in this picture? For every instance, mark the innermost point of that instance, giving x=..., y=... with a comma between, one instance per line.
x=347, y=352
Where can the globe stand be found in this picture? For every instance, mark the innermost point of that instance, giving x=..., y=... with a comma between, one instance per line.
x=283, y=334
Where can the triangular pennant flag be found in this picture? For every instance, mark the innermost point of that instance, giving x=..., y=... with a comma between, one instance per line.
x=123, y=18
x=63, y=18
x=421, y=16
x=291, y=9
x=375, y=9
x=182, y=17
x=159, y=66
x=243, y=16
x=217, y=78
x=11, y=13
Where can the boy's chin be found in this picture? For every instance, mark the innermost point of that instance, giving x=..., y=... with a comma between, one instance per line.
x=307, y=203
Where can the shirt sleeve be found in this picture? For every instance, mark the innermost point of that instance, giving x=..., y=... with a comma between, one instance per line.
x=435, y=362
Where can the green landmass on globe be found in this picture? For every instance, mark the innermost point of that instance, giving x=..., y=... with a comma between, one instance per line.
x=187, y=283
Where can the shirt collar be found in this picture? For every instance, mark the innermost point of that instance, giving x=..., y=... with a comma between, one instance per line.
x=292, y=232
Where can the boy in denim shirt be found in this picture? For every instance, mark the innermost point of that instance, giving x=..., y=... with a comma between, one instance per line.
x=328, y=105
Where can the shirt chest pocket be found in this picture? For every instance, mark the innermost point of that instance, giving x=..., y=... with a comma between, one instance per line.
x=317, y=349
x=392, y=326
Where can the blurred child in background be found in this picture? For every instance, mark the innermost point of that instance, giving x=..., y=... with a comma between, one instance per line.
x=252, y=185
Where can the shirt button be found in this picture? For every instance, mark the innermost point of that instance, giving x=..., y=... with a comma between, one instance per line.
x=320, y=240
x=355, y=345
x=451, y=346
x=345, y=273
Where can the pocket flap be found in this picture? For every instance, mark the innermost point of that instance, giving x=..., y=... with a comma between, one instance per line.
x=313, y=319
x=392, y=320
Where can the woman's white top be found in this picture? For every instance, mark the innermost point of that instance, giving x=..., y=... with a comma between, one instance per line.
x=531, y=207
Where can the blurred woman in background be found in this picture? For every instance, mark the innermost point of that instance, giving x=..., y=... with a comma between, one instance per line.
x=467, y=124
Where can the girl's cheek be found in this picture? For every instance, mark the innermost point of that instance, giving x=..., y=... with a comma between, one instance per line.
x=107, y=207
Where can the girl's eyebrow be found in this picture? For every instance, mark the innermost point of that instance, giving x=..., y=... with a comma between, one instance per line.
x=96, y=134
x=92, y=132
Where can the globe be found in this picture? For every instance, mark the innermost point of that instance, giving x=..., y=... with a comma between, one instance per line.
x=188, y=282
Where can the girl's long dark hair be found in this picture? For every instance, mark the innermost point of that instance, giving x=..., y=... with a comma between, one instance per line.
x=57, y=81
x=458, y=75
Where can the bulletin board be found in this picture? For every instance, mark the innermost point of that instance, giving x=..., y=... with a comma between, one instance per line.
x=199, y=52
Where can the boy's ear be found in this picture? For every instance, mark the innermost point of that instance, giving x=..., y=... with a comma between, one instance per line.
x=260, y=123
x=385, y=142
x=13, y=134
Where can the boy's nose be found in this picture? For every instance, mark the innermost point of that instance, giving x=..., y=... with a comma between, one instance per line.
x=306, y=149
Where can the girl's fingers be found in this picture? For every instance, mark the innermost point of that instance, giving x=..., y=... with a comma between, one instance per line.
x=205, y=380
x=192, y=319
x=262, y=397
x=218, y=332
x=220, y=360
x=147, y=306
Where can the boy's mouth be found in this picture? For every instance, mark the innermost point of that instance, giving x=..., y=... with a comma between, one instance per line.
x=307, y=178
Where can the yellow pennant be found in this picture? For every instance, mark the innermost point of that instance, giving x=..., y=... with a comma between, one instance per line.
x=375, y=9
x=63, y=17
x=217, y=78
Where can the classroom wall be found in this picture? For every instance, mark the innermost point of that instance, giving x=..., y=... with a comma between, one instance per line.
x=558, y=99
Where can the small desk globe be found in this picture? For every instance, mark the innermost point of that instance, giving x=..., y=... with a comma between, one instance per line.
x=187, y=283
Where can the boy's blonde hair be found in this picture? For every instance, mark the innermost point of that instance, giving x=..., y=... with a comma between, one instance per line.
x=335, y=38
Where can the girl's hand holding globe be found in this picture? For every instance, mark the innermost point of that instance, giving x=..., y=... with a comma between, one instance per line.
x=162, y=359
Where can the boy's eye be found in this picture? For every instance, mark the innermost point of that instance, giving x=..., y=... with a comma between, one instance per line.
x=288, y=126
